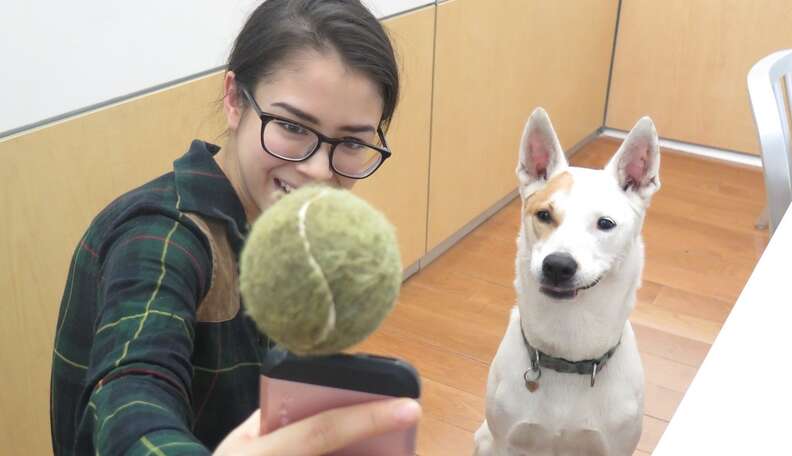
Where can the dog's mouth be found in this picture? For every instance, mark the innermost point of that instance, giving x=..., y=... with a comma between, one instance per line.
x=565, y=293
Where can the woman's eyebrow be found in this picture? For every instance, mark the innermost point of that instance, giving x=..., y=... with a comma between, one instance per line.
x=297, y=112
x=358, y=129
x=312, y=119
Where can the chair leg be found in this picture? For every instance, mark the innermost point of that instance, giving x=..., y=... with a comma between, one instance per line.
x=763, y=221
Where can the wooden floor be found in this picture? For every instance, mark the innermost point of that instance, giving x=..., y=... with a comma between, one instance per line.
x=701, y=247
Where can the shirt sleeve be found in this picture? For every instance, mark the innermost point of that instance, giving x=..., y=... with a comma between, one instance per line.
x=153, y=275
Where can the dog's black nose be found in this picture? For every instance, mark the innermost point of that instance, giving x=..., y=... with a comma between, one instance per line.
x=559, y=267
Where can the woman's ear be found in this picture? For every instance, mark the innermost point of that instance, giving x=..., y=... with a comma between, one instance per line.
x=232, y=106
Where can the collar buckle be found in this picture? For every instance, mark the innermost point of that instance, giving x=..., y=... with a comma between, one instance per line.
x=594, y=373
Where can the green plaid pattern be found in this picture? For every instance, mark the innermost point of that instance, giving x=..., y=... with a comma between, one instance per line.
x=133, y=371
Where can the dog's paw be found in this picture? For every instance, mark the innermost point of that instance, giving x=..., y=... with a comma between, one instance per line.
x=584, y=442
x=531, y=438
x=484, y=441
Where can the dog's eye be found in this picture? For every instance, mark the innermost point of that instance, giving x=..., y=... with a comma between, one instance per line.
x=606, y=224
x=544, y=216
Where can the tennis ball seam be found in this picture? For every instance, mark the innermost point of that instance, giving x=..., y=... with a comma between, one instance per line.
x=301, y=221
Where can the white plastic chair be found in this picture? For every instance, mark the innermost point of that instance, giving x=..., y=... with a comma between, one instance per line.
x=769, y=105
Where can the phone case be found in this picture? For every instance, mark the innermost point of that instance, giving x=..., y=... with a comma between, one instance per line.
x=297, y=388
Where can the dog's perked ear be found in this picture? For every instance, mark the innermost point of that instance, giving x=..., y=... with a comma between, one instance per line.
x=541, y=155
x=636, y=165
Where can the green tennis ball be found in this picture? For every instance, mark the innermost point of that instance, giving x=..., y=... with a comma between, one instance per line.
x=320, y=270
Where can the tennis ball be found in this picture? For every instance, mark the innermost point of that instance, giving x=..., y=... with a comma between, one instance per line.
x=320, y=270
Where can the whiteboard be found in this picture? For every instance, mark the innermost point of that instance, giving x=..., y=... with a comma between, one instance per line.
x=61, y=58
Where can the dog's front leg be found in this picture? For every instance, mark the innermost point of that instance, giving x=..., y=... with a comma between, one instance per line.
x=484, y=443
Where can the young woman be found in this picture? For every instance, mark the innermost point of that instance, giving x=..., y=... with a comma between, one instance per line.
x=152, y=352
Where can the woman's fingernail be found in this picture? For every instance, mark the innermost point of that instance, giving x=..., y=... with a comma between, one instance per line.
x=407, y=411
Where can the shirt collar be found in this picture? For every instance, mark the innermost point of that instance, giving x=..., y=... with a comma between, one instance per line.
x=204, y=189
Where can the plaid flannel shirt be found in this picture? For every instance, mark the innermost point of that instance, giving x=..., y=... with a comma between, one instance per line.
x=139, y=366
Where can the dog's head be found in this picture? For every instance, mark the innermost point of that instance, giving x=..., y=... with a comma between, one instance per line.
x=578, y=224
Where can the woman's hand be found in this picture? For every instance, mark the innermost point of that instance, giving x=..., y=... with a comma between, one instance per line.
x=322, y=433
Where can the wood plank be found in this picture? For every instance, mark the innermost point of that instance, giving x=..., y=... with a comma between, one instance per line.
x=436, y=438
x=652, y=430
x=452, y=406
x=696, y=257
x=666, y=345
x=464, y=332
x=714, y=208
x=647, y=293
x=683, y=314
x=667, y=373
x=661, y=402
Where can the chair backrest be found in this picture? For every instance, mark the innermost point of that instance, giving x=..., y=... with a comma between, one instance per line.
x=770, y=90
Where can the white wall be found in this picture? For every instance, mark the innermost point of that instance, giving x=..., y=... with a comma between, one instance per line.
x=60, y=57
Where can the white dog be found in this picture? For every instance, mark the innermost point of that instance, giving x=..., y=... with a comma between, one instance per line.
x=567, y=378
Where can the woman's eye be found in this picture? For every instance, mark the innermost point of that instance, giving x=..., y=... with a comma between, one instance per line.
x=353, y=146
x=544, y=216
x=292, y=128
x=605, y=224
x=353, y=142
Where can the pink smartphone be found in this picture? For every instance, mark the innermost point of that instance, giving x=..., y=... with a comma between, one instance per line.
x=298, y=387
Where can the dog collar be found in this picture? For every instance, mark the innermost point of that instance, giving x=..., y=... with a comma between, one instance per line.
x=540, y=359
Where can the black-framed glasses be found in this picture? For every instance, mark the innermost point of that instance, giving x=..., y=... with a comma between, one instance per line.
x=292, y=141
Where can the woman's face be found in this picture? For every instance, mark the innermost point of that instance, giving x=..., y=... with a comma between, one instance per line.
x=311, y=88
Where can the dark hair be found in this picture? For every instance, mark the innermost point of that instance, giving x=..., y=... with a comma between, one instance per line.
x=279, y=28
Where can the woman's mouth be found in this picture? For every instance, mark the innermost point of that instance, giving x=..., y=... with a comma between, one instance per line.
x=283, y=185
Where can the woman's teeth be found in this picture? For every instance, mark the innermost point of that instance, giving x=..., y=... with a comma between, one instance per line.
x=284, y=186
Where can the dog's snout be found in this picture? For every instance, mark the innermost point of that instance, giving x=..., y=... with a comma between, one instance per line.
x=559, y=267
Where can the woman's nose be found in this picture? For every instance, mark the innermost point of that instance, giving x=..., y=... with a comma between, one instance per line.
x=318, y=166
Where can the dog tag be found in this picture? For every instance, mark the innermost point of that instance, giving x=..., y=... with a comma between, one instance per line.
x=532, y=386
x=532, y=379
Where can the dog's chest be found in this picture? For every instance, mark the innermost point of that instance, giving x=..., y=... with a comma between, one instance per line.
x=564, y=410
x=564, y=414
x=559, y=401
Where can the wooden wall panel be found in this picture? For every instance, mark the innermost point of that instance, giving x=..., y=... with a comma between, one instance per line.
x=495, y=62
x=685, y=62
x=400, y=186
x=55, y=179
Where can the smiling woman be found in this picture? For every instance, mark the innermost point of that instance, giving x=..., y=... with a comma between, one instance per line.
x=156, y=270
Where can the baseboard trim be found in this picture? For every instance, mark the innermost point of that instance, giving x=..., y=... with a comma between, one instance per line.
x=730, y=156
x=410, y=270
